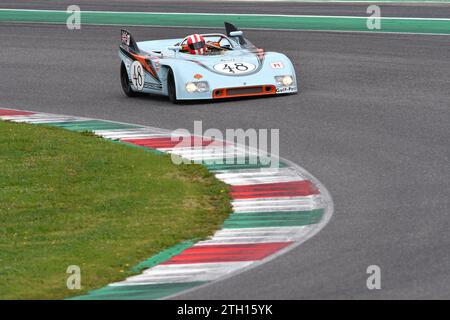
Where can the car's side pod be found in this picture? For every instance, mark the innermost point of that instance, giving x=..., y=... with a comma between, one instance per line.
x=128, y=41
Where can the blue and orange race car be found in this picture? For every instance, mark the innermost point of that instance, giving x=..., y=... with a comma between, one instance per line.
x=203, y=66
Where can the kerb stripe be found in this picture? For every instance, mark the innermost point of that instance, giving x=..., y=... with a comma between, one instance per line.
x=167, y=142
x=301, y=188
x=227, y=253
x=7, y=112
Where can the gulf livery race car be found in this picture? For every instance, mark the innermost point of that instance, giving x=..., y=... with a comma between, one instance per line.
x=203, y=66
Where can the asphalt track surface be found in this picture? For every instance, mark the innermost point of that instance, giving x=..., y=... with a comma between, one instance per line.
x=371, y=123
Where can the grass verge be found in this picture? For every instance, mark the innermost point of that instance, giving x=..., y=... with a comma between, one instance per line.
x=68, y=198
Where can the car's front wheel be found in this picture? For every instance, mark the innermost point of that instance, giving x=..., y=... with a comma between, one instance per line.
x=171, y=87
x=125, y=81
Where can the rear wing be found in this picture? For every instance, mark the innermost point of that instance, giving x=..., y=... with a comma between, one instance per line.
x=128, y=41
x=229, y=27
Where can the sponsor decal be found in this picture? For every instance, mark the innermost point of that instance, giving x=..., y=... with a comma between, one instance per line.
x=286, y=89
x=234, y=68
x=156, y=64
x=125, y=38
x=198, y=76
x=277, y=65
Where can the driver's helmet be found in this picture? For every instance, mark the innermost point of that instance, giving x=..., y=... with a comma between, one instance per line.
x=196, y=44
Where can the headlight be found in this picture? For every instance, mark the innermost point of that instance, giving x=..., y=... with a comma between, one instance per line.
x=199, y=86
x=191, y=87
x=202, y=86
x=284, y=80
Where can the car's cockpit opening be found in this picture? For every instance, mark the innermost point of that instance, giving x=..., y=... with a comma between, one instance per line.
x=206, y=44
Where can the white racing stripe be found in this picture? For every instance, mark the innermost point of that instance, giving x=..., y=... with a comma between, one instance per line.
x=277, y=204
x=130, y=133
x=253, y=171
x=50, y=120
x=262, y=180
x=260, y=176
x=42, y=118
x=184, y=273
x=195, y=154
x=244, y=173
x=257, y=235
x=142, y=135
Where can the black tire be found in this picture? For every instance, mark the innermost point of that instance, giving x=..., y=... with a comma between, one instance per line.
x=125, y=81
x=171, y=88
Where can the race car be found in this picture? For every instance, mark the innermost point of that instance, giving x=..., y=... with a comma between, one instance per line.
x=203, y=66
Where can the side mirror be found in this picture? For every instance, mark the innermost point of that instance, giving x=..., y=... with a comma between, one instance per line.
x=236, y=33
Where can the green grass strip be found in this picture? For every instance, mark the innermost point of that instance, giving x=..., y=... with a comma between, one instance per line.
x=69, y=198
x=143, y=291
x=273, y=219
x=407, y=25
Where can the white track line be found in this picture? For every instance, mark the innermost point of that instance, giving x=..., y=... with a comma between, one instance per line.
x=277, y=204
x=257, y=235
x=176, y=273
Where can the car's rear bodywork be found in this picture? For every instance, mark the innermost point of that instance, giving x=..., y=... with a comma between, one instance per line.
x=242, y=70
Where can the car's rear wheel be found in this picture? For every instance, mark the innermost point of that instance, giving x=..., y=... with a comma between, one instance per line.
x=171, y=87
x=125, y=81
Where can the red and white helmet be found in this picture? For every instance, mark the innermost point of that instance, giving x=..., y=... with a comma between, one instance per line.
x=196, y=44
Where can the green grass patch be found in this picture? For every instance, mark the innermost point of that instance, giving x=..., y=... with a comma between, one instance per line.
x=69, y=198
